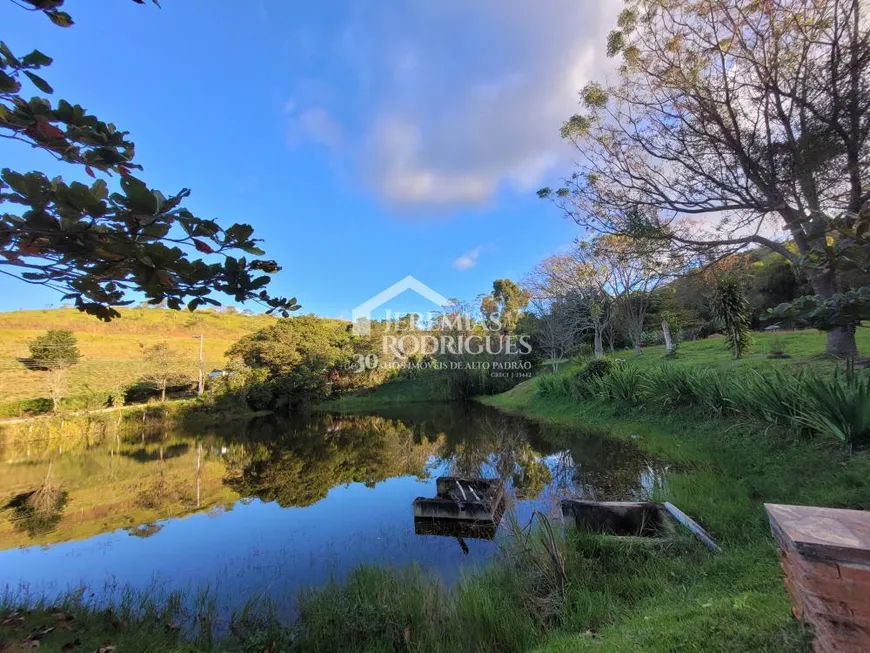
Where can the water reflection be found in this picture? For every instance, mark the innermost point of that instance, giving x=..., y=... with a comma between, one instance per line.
x=268, y=506
x=39, y=511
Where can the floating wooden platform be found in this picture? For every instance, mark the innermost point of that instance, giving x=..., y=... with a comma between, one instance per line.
x=463, y=499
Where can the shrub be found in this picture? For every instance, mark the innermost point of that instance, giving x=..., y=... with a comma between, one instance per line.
x=839, y=406
x=584, y=385
x=652, y=338
x=672, y=386
x=555, y=385
x=622, y=385
x=777, y=349
x=773, y=397
x=596, y=368
x=714, y=392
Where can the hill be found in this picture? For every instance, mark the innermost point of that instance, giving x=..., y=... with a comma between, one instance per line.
x=111, y=352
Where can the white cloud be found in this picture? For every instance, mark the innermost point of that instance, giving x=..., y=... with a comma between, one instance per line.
x=317, y=125
x=451, y=101
x=468, y=260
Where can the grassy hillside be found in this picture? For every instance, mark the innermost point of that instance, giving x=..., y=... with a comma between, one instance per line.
x=111, y=352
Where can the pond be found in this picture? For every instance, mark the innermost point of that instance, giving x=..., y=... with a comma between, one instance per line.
x=261, y=509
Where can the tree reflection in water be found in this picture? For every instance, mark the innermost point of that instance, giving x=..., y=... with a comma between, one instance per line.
x=136, y=481
x=299, y=464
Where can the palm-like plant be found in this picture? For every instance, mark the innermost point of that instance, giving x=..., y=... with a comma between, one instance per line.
x=732, y=309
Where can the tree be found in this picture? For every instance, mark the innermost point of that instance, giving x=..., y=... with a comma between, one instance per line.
x=556, y=325
x=635, y=271
x=507, y=300
x=732, y=309
x=585, y=273
x=96, y=244
x=569, y=297
x=302, y=356
x=730, y=118
x=55, y=351
x=162, y=367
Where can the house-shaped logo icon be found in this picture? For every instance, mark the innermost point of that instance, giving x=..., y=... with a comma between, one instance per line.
x=362, y=314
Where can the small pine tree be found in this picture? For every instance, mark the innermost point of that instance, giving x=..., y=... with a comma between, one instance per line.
x=732, y=309
x=55, y=351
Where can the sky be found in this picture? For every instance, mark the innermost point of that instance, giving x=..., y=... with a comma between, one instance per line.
x=365, y=140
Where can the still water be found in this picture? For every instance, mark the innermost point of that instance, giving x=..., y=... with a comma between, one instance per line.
x=264, y=508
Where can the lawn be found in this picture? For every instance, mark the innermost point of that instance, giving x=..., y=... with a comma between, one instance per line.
x=804, y=347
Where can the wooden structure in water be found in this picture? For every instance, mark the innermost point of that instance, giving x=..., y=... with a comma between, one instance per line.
x=461, y=507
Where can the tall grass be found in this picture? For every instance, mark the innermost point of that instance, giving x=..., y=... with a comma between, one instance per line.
x=835, y=405
x=839, y=406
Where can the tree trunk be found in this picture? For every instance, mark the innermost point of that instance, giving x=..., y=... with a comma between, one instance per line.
x=163, y=392
x=841, y=343
x=599, y=347
x=666, y=330
x=636, y=336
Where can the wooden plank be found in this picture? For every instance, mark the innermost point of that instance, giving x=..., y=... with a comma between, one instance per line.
x=692, y=525
x=832, y=534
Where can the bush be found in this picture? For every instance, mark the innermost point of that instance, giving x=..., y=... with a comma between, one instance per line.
x=595, y=369
x=774, y=397
x=836, y=406
x=839, y=406
x=672, y=386
x=714, y=392
x=585, y=385
x=777, y=349
x=652, y=338
x=622, y=385
x=555, y=385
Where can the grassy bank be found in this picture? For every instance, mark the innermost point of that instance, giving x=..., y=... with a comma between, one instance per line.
x=573, y=591
x=393, y=393
x=724, y=467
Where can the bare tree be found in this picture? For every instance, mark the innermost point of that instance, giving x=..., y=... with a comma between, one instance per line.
x=729, y=120
x=558, y=327
x=635, y=271
x=581, y=277
x=162, y=367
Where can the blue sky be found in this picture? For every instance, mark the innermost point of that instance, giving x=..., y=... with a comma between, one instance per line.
x=364, y=140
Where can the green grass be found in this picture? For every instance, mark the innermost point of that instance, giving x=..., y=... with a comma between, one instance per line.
x=111, y=352
x=619, y=596
x=393, y=393
x=802, y=346
x=724, y=471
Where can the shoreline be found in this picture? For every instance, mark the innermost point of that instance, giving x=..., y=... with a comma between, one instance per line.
x=619, y=596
